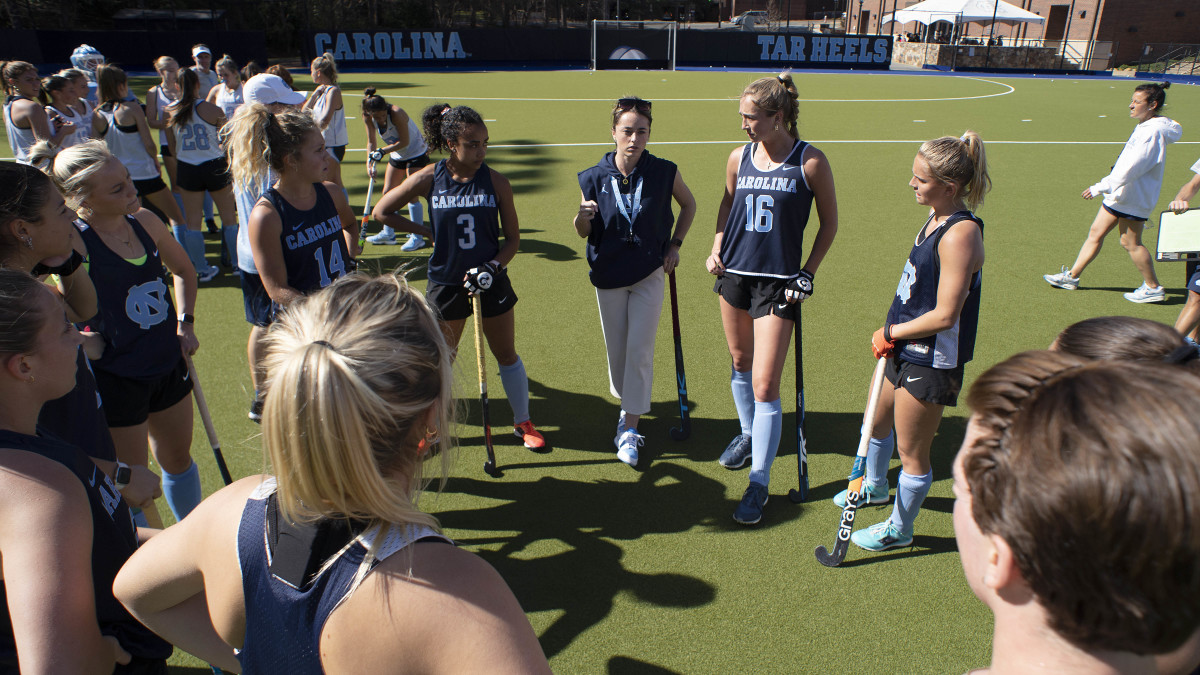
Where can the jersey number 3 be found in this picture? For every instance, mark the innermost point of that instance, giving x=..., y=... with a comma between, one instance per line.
x=759, y=217
x=467, y=240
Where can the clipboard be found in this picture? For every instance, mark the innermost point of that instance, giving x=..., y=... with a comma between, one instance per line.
x=1178, y=236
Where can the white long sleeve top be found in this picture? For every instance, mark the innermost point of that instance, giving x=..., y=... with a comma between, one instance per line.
x=1133, y=185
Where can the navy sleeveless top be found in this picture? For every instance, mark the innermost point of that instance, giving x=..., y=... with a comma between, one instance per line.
x=917, y=295
x=465, y=218
x=622, y=253
x=136, y=317
x=78, y=418
x=289, y=586
x=314, y=248
x=114, y=539
x=764, y=234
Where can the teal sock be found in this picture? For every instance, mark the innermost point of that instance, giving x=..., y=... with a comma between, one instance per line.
x=910, y=493
x=879, y=458
x=764, y=440
x=182, y=490
x=516, y=387
x=743, y=398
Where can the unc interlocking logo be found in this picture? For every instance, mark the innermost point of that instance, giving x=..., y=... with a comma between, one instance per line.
x=146, y=304
x=904, y=290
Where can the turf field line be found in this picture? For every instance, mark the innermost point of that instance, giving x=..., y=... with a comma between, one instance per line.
x=827, y=141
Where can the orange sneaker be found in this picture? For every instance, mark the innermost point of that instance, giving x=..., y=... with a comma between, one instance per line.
x=530, y=436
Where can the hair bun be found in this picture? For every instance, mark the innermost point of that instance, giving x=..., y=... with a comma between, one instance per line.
x=1165, y=84
x=369, y=91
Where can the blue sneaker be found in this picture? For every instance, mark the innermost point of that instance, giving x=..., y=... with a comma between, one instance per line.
x=875, y=495
x=750, y=511
x=737, y=453
x=881, y=537
x=415, y=243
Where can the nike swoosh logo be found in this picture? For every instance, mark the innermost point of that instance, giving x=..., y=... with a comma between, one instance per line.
x=187, y=376
x=442, y=192
x=913, y=379
x=298, y=226
x=786, y=168
x=502, y=300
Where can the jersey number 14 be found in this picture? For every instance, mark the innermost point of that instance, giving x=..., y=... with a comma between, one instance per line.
x=759, y=217
x=336, y=265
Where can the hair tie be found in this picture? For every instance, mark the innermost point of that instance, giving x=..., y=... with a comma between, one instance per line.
x=1182, y=354
x=781, y=80
x=323, y=344
x=446, y=110
x=963, y=138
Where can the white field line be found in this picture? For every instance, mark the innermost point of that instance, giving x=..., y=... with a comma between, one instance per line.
x=814, y=142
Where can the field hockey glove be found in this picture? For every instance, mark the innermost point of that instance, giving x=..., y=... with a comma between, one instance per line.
x=881, y=343
x=800, y=288
x=375, y=155
x=479, y=279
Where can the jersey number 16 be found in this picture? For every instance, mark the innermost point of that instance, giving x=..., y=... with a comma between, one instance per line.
x=759, y=217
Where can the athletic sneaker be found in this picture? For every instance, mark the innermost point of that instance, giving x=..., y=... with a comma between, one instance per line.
x=212, y=226
x=256, y=407
x=384, y=238
x=532, y=439
x=881, y=537
x=737, y=453
x=415, y=243
x=208, y=273
x=627, y=446
x=1063, y=279
x=750, y=511
x=875, y=495
x=1144, y=294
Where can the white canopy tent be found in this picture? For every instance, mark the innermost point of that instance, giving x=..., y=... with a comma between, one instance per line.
x=963, y=11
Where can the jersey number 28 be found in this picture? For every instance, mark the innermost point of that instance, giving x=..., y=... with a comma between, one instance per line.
x=758, y=213
x=194, y=137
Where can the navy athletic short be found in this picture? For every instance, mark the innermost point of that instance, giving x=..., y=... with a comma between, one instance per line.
x=932, y=385
x=256, y=301
x=759, y=296
x=129, y=402
x=210, y=176
x=411, y=164
x=454, y=303
x=149, y=186
x=1120, y=214
x=339, y=152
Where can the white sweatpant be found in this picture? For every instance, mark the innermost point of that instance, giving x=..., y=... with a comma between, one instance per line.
x=629, y=317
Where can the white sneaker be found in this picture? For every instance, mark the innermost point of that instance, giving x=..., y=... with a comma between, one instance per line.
x=208, y=274
x=384, y=238
x=1063, y=279
x=1144, y=293
x=627, y=446
x=415, y=242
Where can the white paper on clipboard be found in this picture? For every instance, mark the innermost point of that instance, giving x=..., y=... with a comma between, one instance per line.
x=1179, y=236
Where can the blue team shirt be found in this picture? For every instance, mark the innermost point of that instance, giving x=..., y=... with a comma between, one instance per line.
x=917, y=295
x=465, y=218
x=136, y=315
x=314, y=247
x=764, y=233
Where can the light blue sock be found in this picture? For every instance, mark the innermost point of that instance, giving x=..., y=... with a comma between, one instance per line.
x=139, y=517
x=208, y=206
x=180, y=234
x=764, y=440
x=182, y=490
x=910, y=492
x=879, y=458
x=178, y=200
x=230, y=233
x=416, y=213
x=516, y=387
x=195, y=249
x=743, y=398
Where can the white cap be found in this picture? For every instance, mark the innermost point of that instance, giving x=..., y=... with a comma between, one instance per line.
x=200, y=49
x=266, y=89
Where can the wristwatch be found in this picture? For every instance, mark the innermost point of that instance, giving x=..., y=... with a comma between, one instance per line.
x=678, y=242
x=187, y=318
x=122, y=475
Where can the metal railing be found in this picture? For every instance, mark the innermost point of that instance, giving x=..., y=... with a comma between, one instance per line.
x=1169, y=59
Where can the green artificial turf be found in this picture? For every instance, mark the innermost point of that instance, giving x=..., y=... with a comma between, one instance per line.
x=625, y=571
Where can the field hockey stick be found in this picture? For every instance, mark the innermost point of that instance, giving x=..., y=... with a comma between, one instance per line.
x=206, y=418
x=856, y=489
x=685, y=422
x=490, y=465
x=362, y=229
x=801, y=494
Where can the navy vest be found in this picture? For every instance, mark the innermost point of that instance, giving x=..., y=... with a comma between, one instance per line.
x=465, y=218
x=917, y=295
x=136, y=317
x=314, y=247
x=620, y=253
x=764, y=234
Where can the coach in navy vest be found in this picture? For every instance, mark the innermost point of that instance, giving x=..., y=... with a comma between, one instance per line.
x=625, y=213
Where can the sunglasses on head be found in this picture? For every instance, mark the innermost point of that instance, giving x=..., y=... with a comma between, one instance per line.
x=633, y=104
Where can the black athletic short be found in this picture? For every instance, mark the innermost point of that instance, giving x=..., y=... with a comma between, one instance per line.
x=414, y=163
x=1122, y=214
x=256, y=301
x=149, y=186
x=129, y=402
x=759, y=296
x=165, y=150
x=210, y=176
x=932, y=385
x=339, y=153
x=454, y=303
x=1193, y=266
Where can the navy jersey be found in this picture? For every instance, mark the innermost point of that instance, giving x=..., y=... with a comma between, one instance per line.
x=917, y=295
x=114, y=539
x=632, y=227
x=465, y=218
x=136, y=317
x=78, y=418
x=314, y=246
x=764, y=234
x=288, y=587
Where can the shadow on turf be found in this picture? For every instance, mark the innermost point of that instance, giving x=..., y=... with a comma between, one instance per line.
x=625, y=665
x=527, y=168
x=1173, y=297
x=922, y=545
